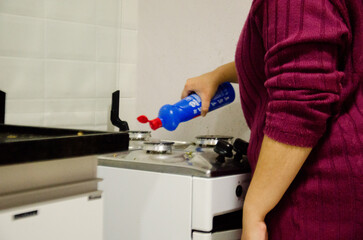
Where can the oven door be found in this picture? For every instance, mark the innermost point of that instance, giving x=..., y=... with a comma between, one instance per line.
x=234, y=234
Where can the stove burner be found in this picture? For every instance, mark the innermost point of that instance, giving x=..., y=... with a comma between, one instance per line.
x=159, y=147
x=211, y=140
x=139, y=135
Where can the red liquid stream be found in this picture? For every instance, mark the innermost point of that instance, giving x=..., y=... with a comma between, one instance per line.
x=143, y=119
x=154, y=124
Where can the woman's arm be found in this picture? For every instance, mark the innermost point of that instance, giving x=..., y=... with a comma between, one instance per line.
x=227, y=73
x=277, y=166
x=207, y=84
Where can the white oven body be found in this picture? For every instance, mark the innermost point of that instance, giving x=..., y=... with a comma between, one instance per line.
x=145, y=205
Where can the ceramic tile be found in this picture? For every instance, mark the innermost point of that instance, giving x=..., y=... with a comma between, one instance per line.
x=102, y=118
x=127, y=80
x=24, y=106
x=71, y=10
x=70, y=79
x=107, y=12
x=128, y=42
x=103, y=105
x=21, y=36
x=59, y=61
x=107, y=40
x=69, y=119
x=102, y=128
x=128, y=109
x=70, y=105
x=129, y=14
x=70, y=41
x=34, y=8
x=22, y=78
x=28, y=119
x=105, y=79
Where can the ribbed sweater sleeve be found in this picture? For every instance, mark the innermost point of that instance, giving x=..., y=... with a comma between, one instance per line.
x=305, y=42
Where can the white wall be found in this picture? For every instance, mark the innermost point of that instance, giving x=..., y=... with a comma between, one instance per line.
x=179, y=40
x=60, y=60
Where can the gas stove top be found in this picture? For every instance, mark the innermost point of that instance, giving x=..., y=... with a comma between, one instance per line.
x=209, y=156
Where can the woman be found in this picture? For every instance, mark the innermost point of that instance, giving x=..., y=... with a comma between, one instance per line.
x=299, y=65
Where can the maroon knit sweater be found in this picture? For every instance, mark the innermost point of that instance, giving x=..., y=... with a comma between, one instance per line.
x=300, y=68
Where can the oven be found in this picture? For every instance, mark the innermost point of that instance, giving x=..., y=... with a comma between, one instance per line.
x=162, y=190
x=174, y=190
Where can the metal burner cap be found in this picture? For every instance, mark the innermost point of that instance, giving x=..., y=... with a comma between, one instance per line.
x=158, y=147
x=211, y=140
x=139, y=135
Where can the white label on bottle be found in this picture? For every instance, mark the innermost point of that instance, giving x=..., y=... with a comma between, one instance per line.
x=193, y=103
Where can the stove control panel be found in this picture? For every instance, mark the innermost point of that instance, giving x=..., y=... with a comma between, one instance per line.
x=224, y=149
x=239, y=191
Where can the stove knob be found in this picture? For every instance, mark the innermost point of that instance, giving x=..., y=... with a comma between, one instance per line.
x=240, y=147
x=239, y=191
x=224, y=149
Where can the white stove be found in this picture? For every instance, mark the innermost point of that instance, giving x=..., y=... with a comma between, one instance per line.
x=170, y=190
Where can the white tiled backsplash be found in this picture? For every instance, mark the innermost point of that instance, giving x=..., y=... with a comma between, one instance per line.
x=60, y=61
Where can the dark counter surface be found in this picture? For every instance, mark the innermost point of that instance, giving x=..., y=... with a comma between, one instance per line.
x=20, y=144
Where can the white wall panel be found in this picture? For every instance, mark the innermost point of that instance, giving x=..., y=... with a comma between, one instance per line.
x=108, y=12
x=22, y=78
x=31, y=119
x=22, y=106
x=107, y=40
x=105, y=80
x=102, y=104
x=69, y=119
x=60, y=60
x=128, y=80
x=183, y=39
x=68, y=79
x=71, y=41
x=129, y=14
x=33, y=8
x=103, y=108
x=101, y=118
x=21, y=36
x=128, y=111
x=128, y=42
x=70, y=105
x=71, y=10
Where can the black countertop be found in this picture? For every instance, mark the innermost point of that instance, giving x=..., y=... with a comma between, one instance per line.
x=20, y=144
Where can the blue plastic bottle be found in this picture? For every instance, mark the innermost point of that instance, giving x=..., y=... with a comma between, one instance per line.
x=188, y=108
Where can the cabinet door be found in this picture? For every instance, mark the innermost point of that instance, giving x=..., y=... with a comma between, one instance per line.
x=72, y=218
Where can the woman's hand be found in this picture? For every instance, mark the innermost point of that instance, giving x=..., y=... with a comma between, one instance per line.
x=277, y=166
x=253, y=228
x=207, y=84
x=257, y=231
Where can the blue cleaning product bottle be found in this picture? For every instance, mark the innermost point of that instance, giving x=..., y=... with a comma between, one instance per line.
x=188, y=108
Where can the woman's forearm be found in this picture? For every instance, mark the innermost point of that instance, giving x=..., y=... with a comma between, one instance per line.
x=207, y=84
x=227, y=73
x=277, y=166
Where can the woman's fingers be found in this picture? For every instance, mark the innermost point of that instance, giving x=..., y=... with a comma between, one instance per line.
x=188, y=88
x=185, y=93
x=205, y=105
x=205, y=86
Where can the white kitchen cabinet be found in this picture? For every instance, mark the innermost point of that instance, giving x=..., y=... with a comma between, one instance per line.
x=72, y=218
